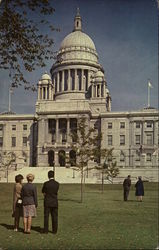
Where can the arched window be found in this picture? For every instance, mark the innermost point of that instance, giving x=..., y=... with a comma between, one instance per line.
x=51, y=158
x=61, y=155
x=72, y=156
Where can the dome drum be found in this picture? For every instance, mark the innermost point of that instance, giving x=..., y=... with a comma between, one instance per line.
x=70, y=95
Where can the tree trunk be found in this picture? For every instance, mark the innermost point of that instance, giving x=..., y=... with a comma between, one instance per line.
x=102, y=182
x=7, y=174
x=82, y=185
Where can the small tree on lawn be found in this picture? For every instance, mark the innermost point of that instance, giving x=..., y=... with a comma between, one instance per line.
x=85, y=143
x=6, y=160
x=109, y=167
x=112, y=170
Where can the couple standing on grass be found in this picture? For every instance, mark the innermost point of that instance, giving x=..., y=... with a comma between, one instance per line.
x=25, y=202
x=139, y=188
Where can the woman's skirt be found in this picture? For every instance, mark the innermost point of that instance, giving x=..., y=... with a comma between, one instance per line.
x=29, y=211
x=18, y=212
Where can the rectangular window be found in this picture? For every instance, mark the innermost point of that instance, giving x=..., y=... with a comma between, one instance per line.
x=110, y=140
x=1, y=141
x=24, y=126
x=122, y=139
x=137, y=156
x=122, y=124
x=149, y=139
x=149, y=124
x=13, y=127
x=1, y=127
x=138, y=124
x=24, y=141
x=148, y=157
x=110, y=125
x=137, y=139
x=63, y=137
x=13, y=141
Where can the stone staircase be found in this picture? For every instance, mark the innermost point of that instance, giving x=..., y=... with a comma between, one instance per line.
x=68, y=175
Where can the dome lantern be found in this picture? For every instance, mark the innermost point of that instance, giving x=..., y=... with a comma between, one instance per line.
x=77, y=21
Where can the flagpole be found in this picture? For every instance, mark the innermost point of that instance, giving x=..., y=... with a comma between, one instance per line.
x=148, y=96
x=9, y=104
x=149, y=85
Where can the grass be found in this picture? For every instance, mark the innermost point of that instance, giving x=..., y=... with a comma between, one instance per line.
x=102, y=221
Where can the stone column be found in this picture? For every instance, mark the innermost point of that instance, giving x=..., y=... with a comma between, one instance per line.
x=41, y=129
x=45, y=93
x=104, y=89
x=68, y=129
x=89, y=79
x=69, y=80
x=58, y=84
x=39, y=93
x=56, y=160
x=63, y=80
x=100, y=90
x=67, y=157
x=96, y=91
x=142, y=133
x=47, y=139
x=42, y=97
x=92, y=90
x=57, y=130
x=50, y=92
x=75, y=79
x=82, y=85
x=155, y=131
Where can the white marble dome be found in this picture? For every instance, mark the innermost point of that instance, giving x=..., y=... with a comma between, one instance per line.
x=77, y=46
x=45, y=79
x=99, y=76
x=77, y=39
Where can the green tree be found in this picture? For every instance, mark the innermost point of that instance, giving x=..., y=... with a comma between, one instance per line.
x=23, y=45
x=86, y=145
x=109, y=167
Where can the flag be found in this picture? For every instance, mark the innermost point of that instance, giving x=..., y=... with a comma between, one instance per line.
x=150, y=85
x=11, y=90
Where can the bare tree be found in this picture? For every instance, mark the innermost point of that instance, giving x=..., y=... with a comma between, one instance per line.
x=109, y=167
x=6, y=159
x=86, y=145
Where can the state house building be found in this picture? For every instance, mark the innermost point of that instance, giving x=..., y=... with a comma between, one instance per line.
x=77, y=86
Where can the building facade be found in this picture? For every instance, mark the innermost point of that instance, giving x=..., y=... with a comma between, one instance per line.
x=77, y=87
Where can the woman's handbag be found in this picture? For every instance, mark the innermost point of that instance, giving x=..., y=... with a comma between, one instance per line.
x=19, y=202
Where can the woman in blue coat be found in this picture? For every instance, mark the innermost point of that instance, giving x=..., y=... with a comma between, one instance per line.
x=139, y=189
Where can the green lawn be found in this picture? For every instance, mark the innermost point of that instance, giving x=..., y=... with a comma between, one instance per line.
x=102, y=221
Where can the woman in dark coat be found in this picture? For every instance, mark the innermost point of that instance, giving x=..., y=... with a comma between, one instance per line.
x=29, y=197
x=139, y=189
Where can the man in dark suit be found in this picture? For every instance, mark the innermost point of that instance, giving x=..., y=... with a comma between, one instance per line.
x=50, y=191
x=126, y=187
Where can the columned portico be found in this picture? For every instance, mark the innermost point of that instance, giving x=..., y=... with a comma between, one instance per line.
x=57, y=130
